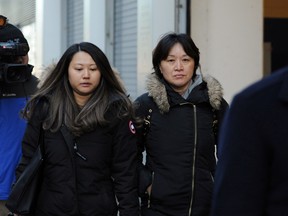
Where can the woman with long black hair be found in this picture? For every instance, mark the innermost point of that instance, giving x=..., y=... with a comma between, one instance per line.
x=89, y=138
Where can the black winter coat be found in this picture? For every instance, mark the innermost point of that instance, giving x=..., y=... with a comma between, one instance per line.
x=252, y=174
x=73, y=185
x=180, y=147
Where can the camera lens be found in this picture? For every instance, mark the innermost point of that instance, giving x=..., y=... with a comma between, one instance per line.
x=15, y=74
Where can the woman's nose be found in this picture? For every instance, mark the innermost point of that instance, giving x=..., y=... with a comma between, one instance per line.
x=86, y=73
x=178, y=65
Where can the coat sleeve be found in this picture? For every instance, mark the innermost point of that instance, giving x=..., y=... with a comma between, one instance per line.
x=219, y=115
x=241, y=175
x=144, y=173
x=124, y=168
x=29, y=141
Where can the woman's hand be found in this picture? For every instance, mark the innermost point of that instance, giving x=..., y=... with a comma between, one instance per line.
x=149, y=189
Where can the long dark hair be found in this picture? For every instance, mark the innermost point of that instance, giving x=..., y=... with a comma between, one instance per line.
x=165, y=44
x=62, y=107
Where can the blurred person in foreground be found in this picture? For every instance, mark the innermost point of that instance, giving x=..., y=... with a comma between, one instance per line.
x=252, y=172
x=90, y=143
x=180, y=109
x=17, y=84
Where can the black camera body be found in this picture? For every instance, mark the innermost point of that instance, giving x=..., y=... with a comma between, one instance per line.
x=15, y=73
x=9, y=71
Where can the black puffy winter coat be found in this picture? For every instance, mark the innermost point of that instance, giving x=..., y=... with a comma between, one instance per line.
x=85, y=180
x=179, y=140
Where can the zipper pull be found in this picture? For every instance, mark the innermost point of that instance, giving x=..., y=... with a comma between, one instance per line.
x=81, y=156
x=78, y=153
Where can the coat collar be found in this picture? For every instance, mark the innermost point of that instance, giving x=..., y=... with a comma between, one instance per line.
x=156, y=90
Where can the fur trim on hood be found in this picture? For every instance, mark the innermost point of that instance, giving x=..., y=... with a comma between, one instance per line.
x=45, y=72
x=156, y=90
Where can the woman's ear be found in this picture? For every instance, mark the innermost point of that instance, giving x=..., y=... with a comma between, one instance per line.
x=196, y=67
x=159, y=67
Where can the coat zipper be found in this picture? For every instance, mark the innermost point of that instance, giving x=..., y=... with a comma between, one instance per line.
x=77, y=153
x=149, y=195
x=69, y=139
x=194, y=154
x=194, y=157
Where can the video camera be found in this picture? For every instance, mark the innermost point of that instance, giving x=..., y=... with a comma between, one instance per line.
x=9, y=71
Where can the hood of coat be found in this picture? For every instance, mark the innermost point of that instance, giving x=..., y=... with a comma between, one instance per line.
x=156, y=90
x=45, y=73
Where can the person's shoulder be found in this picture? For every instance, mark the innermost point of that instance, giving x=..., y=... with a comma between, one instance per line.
x=33, y=80
x=272, y=84
x=143, y=100
x=41, y=107
x=143, y=97
x=32, y=84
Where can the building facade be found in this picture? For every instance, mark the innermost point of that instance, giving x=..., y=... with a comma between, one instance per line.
x=229, y=34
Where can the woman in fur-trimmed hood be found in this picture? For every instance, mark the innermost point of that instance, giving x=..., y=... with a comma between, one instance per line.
x=181, y=111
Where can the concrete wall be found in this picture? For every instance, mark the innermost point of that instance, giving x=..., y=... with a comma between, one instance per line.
x=229, y=34
x=94, y=22
x=49, y=34
x=155, y=18
x=51, y=24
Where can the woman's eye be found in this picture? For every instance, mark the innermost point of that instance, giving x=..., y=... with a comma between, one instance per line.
x=170, y=60
x=186, y=61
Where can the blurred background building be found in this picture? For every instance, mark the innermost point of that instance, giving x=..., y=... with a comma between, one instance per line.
x=239, y=41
